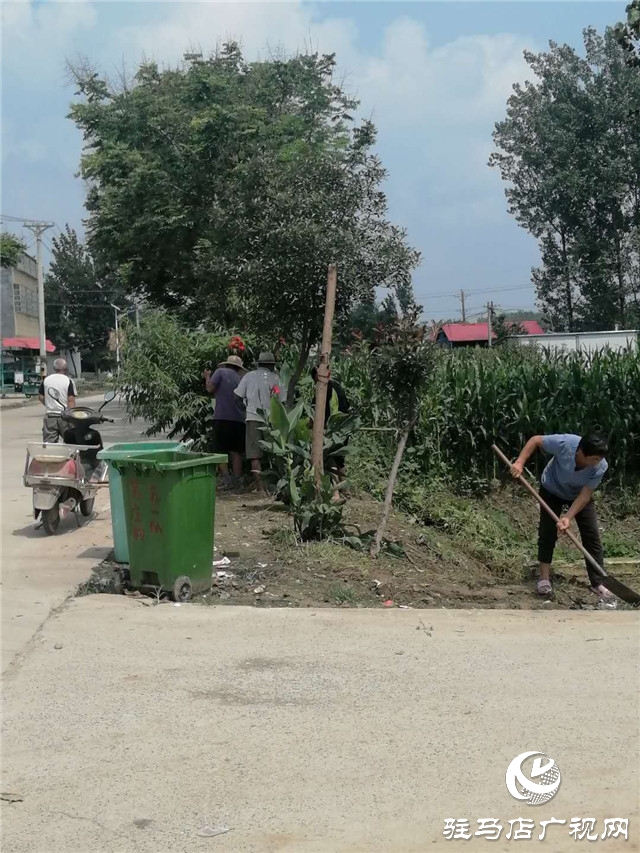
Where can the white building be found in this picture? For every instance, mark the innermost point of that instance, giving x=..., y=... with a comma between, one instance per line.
x=584, y=341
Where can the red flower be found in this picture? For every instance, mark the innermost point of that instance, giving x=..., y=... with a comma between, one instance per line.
x=275, y=389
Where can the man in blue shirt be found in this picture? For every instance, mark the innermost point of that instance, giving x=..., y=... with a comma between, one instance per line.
x=576, y=469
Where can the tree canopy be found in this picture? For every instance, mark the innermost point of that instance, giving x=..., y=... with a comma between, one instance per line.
x=11, y=248
x=78, y=307
x=628, y=33
x=223, y=188
x=570, y=150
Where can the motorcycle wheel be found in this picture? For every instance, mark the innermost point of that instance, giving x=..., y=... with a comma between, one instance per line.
x=51, y=520
x=86, y=506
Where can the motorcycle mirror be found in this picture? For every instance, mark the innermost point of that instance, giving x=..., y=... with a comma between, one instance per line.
x=55, y=394
x=108, y=397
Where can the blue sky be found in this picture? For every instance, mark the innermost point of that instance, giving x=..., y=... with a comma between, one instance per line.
x=435, y=76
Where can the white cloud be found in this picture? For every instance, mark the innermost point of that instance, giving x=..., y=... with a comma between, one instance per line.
x=434, y=104
x=258, y=27
x=37, y=37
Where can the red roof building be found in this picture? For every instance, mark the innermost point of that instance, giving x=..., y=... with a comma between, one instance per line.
x=477, y=334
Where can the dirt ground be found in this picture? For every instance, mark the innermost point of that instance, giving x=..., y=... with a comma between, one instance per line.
x=268, y=568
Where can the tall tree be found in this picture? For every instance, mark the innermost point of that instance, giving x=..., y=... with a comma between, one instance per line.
x=11, y=248
x=628, y=34
x=570, y=150
x=222, y=189
x=78, y=307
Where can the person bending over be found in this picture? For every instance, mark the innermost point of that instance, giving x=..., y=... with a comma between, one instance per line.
x=575, y=470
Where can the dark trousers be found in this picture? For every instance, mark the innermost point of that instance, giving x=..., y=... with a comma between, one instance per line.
x=587, y=521
x=52, y=428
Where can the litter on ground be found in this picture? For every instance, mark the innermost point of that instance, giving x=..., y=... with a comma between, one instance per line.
x=211, y=831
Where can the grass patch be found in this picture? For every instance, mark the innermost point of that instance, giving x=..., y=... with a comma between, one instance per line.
x=343, y=594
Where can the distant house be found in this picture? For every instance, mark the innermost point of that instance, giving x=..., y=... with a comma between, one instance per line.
x=618, y=339
x=476, y=334
x=19, y=325
x=19, y=297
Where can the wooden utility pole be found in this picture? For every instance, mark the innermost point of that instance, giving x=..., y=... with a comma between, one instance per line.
x=323, y=374
x=464, y=313
x=489, y=319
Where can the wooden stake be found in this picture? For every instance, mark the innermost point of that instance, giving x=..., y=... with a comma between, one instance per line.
x=323, y=375
x=376, y=545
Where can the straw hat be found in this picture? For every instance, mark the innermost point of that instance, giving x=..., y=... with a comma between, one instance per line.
x=233, y=361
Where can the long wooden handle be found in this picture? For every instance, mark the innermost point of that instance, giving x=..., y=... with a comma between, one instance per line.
x=548, y=509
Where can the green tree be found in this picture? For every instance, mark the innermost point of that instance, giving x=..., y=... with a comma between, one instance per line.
x=222, y=189
x=78, y=305
x=11, y=248
x=570, y=151
x=503, y=326
x=402, y=364
x=364, y=320
x=628, y=34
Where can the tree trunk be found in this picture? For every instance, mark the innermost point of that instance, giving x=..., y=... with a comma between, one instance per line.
x=567, y=274
x=622, y=300
x=393, y=476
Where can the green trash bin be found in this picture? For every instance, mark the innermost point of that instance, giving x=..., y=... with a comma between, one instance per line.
x=169, y=501
x=124, y=450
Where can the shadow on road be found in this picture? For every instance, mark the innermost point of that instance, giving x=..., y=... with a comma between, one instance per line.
x=96, y=552
x=67, y=525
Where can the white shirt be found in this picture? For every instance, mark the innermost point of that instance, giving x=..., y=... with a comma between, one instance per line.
x=65, y=388
x=256, y=388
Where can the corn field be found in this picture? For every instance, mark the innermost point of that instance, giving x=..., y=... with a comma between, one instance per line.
x=506, y=395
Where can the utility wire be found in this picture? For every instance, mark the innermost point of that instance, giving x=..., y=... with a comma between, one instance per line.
x=454, y=294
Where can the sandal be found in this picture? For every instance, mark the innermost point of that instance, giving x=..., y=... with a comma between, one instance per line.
x=602, y=592
x=544, y=587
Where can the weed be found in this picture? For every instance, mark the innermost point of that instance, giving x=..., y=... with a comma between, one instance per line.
x=343, y=594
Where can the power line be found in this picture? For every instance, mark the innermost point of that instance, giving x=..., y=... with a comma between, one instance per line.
x=455, y=295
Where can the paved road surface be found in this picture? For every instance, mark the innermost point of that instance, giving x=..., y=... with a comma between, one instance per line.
x=131, y=727
x=39, y=571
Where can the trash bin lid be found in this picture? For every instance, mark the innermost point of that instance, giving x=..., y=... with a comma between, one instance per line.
x=122, y=450
x=169, y=460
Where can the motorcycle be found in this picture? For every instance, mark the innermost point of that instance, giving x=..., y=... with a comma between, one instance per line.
x=66, y=477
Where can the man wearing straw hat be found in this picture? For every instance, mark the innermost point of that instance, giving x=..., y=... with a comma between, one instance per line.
x=228, y=417
x=255, y=391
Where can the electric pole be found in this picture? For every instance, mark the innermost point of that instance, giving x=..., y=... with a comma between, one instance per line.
x=464, y=313
x=38, y=228
x=489, y=319
x=117, y=334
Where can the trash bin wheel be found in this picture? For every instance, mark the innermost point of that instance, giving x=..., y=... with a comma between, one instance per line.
x=182, y=589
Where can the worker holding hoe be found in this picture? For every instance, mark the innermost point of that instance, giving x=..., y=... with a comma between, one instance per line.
x=576, y=469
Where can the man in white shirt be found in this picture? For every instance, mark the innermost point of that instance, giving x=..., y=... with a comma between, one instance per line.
x=52, y=427
x=255, y=391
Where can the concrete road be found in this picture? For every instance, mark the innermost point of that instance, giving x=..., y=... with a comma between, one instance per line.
x=133, y=728
x=39, y=571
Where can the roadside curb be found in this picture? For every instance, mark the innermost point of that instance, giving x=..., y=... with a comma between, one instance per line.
x=18, y=404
